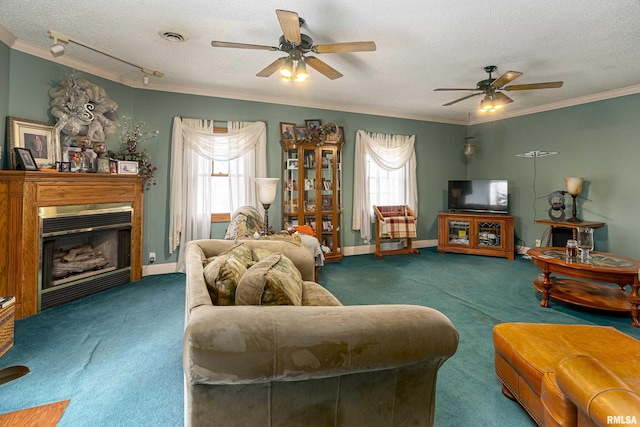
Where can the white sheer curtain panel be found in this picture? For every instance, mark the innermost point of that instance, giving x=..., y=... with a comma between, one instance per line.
x=391, y=153
x=194, y=146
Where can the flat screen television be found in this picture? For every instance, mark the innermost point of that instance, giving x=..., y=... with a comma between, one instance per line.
x=491, y=196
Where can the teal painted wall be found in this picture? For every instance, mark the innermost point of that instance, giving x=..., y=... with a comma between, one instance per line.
x=438, y=146
x=434, y=143
x=597, y=141
x=5, y=59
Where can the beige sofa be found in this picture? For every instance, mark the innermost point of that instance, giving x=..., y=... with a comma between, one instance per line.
x=313, y=365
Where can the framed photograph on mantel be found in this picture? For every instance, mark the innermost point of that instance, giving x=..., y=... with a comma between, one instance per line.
x=24, y=159
x=33, y=135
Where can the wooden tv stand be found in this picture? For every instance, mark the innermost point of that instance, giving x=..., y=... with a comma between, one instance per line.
x=476, y=234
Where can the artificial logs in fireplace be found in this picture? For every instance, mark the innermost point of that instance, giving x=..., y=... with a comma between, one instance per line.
x=84, y=251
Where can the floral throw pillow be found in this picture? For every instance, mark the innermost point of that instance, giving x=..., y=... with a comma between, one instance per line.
x=273, y=281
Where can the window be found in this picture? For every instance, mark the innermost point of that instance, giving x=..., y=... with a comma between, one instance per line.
x=386, y=188
x=221, y=203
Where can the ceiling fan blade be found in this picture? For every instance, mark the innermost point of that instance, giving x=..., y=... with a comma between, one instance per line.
x=452, y=88
x=242, y=45
x=546, y=85
x=461, y=99
x=507, y=77
x=290, y=24
x=345, y=47
x=322, y=67
x=272, y=68
x=502, y=98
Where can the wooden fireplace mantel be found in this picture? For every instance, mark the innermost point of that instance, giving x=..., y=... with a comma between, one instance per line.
x=22, y=193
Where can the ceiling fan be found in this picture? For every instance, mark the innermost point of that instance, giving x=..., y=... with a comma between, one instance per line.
x=493, y=98
x=297, y=45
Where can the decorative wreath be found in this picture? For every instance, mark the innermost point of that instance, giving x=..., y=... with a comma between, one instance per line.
x=84, y=107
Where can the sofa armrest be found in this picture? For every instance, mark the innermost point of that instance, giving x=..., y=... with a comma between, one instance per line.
x=248, y=344
x=596, y=391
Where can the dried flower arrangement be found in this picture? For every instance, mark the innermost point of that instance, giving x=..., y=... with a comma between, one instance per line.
x=132, y=136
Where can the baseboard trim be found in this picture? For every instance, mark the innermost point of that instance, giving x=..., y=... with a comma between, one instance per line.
x=369, y=249
x=170, y=267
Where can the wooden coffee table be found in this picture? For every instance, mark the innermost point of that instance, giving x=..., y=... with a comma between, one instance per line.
x=603, y=267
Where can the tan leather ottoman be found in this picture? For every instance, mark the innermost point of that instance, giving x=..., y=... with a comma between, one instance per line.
x=526, y=356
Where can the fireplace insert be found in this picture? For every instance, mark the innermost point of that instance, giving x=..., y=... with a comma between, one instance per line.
x=84, y=249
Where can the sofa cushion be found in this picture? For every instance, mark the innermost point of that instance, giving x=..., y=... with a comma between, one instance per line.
x=222, y=276
x=223, y=272
x=273, y=281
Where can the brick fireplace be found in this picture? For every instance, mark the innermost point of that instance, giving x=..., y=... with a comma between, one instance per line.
x=44, y=215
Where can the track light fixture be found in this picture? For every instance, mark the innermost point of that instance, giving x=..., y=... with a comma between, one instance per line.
x=58, y=49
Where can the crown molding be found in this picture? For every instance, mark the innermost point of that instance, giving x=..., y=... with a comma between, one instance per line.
x=14, y=43
x=616, y=93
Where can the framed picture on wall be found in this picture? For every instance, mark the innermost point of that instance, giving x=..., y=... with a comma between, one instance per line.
x=33, y=135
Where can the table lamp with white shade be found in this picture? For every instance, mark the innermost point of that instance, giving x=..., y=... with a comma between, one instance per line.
x=574, y=187
x=266, y=195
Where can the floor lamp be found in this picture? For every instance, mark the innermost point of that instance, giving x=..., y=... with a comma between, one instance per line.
x=266, y=195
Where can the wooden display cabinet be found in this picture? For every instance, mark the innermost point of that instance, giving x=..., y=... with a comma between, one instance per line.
x=477, y=234
x=311, y=189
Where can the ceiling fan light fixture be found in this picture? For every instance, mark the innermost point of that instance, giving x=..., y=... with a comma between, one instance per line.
x=287, y=69
x=490, y=105
x=301, y=72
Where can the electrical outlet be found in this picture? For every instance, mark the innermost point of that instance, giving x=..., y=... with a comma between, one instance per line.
x=538, y=243
x=152, y=256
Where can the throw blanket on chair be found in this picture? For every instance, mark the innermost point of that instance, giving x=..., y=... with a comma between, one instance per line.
x=398, y=223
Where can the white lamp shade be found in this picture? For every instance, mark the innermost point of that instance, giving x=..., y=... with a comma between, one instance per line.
x=267, y=189
x=574, y=185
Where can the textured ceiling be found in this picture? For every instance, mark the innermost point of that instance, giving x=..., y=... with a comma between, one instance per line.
x=592, y=45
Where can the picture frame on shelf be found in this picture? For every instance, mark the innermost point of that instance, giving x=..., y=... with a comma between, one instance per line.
x=333, y=134
x=127, y=168
x=292, y=163
x=64, y=166
x=287, y=131
x=34, y=135
x=73, y=156
x=313, y=125
x=302, y=133
x=103, y=165
x=24, y=159
x=327, y=201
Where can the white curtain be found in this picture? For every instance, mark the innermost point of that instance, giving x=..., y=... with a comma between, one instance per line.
x=390, y=152
x=194, y=146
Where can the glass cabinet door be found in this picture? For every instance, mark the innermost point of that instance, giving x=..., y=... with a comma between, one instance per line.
x=291, y=185
x=309, y=194
x=459, y=232
x=490, y=234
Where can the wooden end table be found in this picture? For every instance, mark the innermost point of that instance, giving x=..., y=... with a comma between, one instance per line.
x=602, y=267
x=567, y=224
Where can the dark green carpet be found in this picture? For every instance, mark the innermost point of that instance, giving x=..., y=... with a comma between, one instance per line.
x=117, y=355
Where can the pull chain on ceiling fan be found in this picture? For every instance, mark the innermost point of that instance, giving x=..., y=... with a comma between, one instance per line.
x=297, y=45
x=494, y=99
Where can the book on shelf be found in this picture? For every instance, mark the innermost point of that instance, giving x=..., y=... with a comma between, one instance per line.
x=7, y=301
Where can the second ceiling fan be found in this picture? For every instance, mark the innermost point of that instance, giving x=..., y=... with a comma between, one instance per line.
x=490, y=88
x=297, y=45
